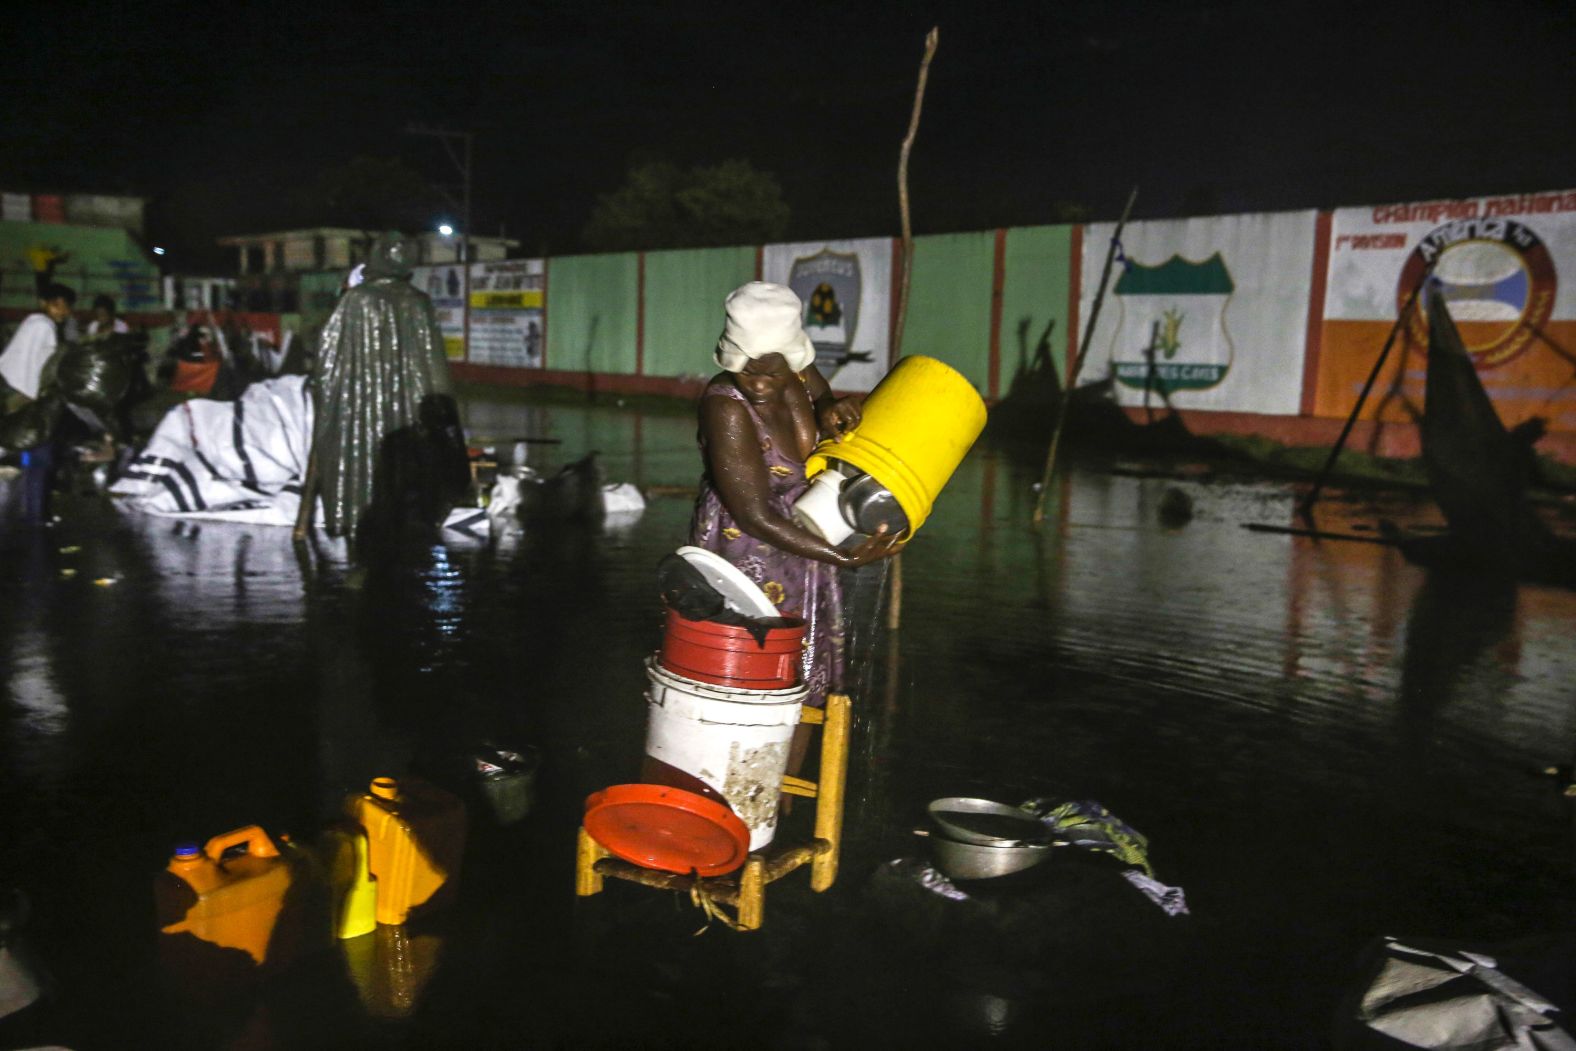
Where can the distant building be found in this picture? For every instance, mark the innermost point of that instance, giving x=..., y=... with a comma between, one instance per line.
x=338, y=248
x=74, y=209
x=93, y=243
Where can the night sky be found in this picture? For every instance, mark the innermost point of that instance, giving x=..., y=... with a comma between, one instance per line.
x=223, y=115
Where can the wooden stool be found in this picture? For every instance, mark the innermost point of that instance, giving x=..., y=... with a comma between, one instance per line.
x=746, y=889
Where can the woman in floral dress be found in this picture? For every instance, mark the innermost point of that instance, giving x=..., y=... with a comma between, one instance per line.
x=759, y=420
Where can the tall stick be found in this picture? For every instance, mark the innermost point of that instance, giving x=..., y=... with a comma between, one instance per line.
x=303, y=522
x=895, y=609
x=931, y=40
x=1306, y=508
x=1078, y=360
x=309, y=484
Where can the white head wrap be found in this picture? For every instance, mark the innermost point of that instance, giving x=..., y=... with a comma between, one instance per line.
x=763, y=319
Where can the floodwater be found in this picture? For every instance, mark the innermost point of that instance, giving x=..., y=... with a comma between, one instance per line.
x=1323, y=744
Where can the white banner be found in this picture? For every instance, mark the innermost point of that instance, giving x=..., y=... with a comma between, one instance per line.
x=506, y=313
x=1507, y=268
x=1211, y=313
x=445, y=285
x=1496, y=256
x=846, y=287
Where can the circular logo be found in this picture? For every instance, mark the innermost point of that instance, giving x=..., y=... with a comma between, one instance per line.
x=1497, y=278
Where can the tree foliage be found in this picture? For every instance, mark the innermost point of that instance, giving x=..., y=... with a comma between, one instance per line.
x=375, y=193
x=663, y=206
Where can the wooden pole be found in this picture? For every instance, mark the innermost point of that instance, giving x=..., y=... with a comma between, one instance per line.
x=1078, y=360
x=895, y=596
x=303, y=521
x=587, y=853
x=752, y=894
x=1306, y=508
x=932, y=39
x=829, y=790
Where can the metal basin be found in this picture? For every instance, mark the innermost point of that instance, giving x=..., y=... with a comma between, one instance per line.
x=977, y=861
x=986, y=823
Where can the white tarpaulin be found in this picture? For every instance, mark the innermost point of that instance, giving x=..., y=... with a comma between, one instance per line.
x=1210, y=312
x=1505, y=267
x=238, y=461
x=846, y=287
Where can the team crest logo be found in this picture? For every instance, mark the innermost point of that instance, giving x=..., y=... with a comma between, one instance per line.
x=1497, y=278
x=829, y=285
x=1171, y=325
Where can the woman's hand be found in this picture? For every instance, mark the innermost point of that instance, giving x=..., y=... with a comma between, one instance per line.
x=838, y=417
x=874, y=549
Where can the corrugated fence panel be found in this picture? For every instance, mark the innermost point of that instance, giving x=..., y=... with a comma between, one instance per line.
x=1035, y=298
x=684, y=294
x=949, y=302
x=592, y=313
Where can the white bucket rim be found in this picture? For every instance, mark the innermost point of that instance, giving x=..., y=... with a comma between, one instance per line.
x=707, y=711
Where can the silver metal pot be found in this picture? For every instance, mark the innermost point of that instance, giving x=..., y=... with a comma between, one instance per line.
x=867, y=505
x=982, y=821
x=978, y=861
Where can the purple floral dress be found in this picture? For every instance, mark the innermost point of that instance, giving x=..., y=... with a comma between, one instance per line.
x=800, y=587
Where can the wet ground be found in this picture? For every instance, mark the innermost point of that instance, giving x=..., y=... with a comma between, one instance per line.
x=1323, y=743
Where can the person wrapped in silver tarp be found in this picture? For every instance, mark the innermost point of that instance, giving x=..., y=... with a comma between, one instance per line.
x=387, y=448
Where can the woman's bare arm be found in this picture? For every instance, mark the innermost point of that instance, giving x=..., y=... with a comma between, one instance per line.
x=733, y=454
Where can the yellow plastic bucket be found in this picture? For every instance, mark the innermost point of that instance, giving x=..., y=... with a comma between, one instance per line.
x=915, y=428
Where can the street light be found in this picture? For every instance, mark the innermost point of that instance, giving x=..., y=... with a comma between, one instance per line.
x=462, y=164
x=445, y=229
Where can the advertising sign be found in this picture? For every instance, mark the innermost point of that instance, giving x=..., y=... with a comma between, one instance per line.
x=1207, y=313
x=445, y=285
x=846, y=288
x=1505, y=266
x=506, y=313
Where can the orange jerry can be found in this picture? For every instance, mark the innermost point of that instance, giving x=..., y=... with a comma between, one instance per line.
x=227, y=897
x=415, y=841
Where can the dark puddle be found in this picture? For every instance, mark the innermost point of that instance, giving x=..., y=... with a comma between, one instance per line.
x=1323, y=744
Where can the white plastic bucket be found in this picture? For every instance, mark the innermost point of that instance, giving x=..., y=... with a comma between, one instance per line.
x=735, y=741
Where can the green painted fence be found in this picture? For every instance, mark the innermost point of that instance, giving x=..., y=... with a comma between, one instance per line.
x=592, y=313
x=949, y=302
x=684, y=294
x=1035, y=310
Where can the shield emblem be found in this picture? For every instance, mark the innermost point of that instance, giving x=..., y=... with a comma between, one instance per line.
x=829, y=284
x=1171, y=333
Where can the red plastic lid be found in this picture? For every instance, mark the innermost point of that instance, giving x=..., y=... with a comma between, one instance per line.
x=668, y=829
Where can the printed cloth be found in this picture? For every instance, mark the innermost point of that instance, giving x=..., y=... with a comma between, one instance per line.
x=799, y=587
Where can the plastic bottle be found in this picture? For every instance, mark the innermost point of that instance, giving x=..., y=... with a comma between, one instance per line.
x=416, y=841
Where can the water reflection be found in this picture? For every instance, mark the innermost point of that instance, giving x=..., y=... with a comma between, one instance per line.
x=1321, y=742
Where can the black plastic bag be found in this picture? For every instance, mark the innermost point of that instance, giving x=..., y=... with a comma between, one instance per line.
x=95, y=376
x=30, y=426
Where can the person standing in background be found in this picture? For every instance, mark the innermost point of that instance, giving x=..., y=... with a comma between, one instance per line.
x=105, y=323
x=22, y=363
x=43, y=259
x=24, y=376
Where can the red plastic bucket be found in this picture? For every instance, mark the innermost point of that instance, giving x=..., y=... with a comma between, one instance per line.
x=728, y=655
